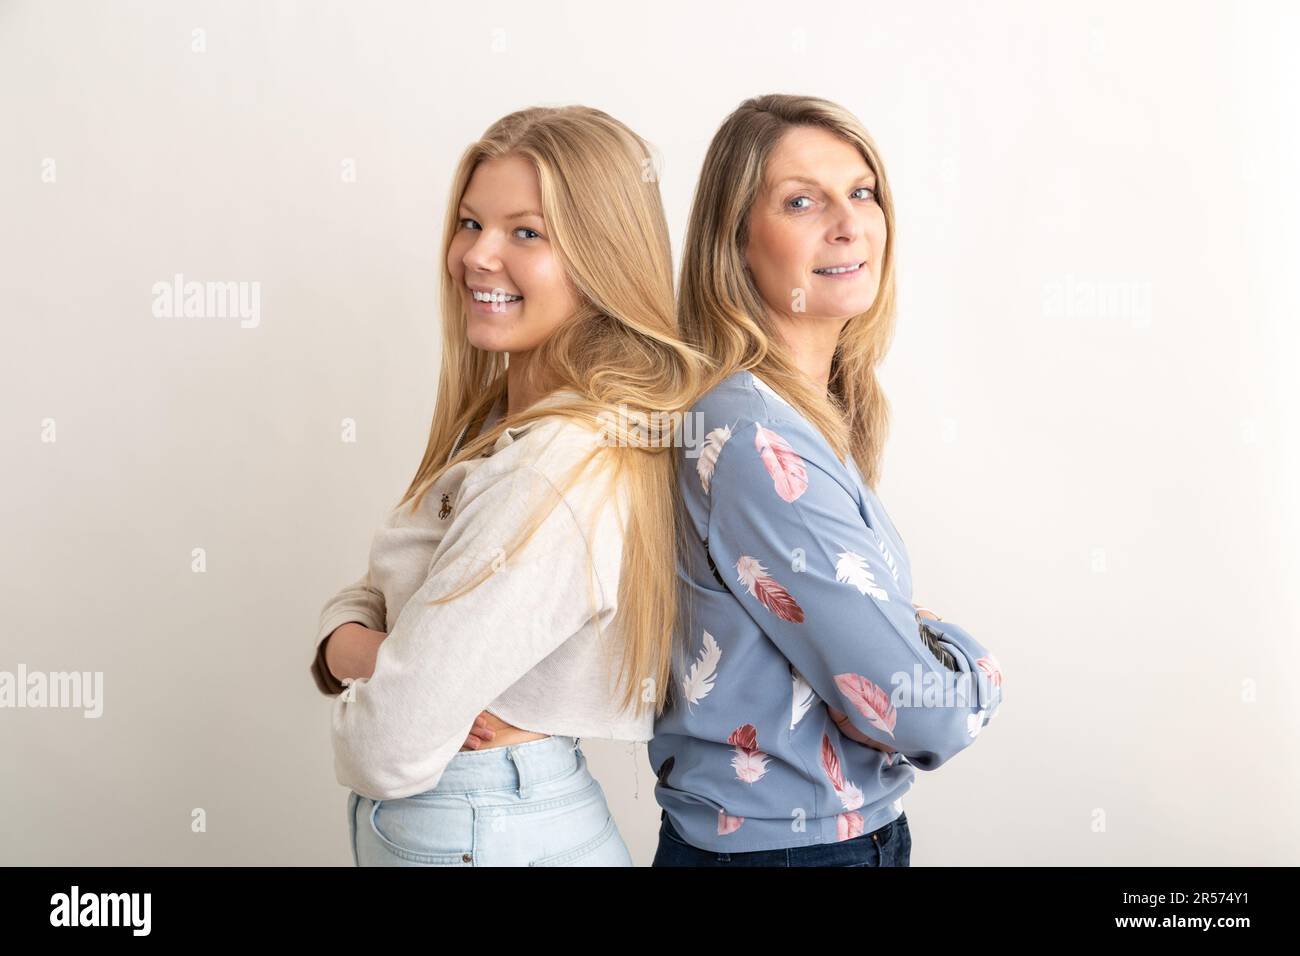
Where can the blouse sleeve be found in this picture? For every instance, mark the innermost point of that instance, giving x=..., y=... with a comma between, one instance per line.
x=791, y=544
x=396, y=731
x=359, y=602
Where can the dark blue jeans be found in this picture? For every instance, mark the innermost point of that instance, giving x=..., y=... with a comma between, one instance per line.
x=891, y=845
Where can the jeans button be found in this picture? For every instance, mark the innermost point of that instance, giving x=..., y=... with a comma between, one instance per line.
x=467, y=857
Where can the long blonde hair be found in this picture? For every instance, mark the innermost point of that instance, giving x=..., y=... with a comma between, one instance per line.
x=720, y=310
x=621, y=352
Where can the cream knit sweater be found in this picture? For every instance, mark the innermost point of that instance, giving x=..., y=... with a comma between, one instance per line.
x=523, y=644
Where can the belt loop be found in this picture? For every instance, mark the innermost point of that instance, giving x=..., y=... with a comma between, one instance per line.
x=525, y=784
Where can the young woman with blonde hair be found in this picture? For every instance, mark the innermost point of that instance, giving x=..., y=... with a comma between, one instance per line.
x=786, y=742
x=531, y=560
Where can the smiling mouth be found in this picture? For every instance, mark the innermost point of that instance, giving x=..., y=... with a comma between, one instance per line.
x=840, y=270
x=498, y=297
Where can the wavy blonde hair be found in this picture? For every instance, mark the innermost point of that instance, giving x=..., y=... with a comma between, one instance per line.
x=621, y=352
x=720, y=310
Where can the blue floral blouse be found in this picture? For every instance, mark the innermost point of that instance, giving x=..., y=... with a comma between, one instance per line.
x=797, y=596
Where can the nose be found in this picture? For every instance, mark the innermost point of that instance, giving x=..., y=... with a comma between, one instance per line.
x=483, y=255
x=846, y=226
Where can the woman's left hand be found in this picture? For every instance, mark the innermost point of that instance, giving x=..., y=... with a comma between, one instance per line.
x=479, y=734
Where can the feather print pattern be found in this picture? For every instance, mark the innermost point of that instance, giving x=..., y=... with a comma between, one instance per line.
x=699, y=681
x=774, y=516
x=768, y=590
x=801, y=696
x=848, y=824
x=991, y=672
x=990, y=666
x=851, y=568
x=708, y=459
x=783, y=464
x=869, y=699
x=728, y=824
x=750, y=763
x=884, y=553
x=933, y=641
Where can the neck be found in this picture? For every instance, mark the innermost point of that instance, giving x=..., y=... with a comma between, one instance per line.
x=811, y=344
x=518, y=395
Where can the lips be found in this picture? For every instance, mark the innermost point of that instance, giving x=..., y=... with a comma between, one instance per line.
x=843, y=268
x=481, y=294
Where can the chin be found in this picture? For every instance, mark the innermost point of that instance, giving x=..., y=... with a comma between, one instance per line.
x=488, y=340
x=847, y=307
x=837, y=311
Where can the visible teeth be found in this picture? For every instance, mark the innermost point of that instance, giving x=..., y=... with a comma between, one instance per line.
x=838, y=270
x=494, y=296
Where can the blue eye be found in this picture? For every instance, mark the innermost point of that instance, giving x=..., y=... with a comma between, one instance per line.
x=796, y=199
x=470, y=224
x=535, y=234
x=866, y=189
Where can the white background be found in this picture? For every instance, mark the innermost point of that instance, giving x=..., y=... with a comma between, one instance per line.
x=1093, y=458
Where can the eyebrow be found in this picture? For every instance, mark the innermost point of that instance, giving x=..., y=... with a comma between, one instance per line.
x=514, y=215
x=804, y=181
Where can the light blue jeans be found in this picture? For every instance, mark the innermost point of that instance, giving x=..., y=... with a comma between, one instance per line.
x=528, y=804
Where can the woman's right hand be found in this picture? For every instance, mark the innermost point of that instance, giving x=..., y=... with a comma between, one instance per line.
x=351, y=651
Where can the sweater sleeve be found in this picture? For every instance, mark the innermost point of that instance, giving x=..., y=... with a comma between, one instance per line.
x=359, y=602
x=396, y=731
x=791, y=544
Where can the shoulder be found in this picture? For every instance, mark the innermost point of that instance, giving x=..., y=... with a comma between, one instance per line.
x=741, y=396
x=558, y=456
x=569, y=464
x=574, y=457
x=744, y=428
x=551, y=445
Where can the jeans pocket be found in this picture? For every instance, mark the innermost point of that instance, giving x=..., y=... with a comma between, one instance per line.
x=561, y=830
x=901, y=851
x=880, y=847
x=581, y=854
x=423, y=832
x=886, y=834
x=892, y=846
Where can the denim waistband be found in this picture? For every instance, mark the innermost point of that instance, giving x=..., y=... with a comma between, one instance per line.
x=520, y=766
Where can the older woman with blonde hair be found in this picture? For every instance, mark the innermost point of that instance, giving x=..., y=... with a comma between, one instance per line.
x=795, y=727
